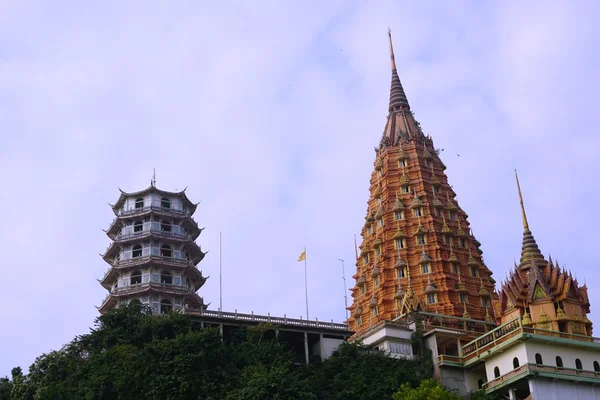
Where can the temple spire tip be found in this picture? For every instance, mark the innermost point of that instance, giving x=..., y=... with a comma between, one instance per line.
x=391, y=49
x=525, y=223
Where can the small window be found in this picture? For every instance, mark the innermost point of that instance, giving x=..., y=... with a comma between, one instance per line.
x=165, y=203
x=447, y=239
x=452, y=215
x=380, y=222
x=428, y=163
x=376, y=281
x=398, y=215
x=463, y=244
x=405, y=189
x=559, y=362
x=136, y=277
x=378, y=199
x=166, y=226
x=515, y=362
x=596, y=366
x=370, y=229
x=425, y=268
x=166, y=277
x=399, y=243
x=431, y=298
x=138, y=226
x=420, y=239
x=362, y=289
x=374, y=311
x=401, y=272
x=377, y=250
x=380, y=173
x=578, y=364
x=165, y=306
x=436, y=189
x=417, y=212
x=538, y=359
x=139, y=203
x=454, y=268
x=402, y=163
x=463, y=297
x=359, y=320
x=165, y=251
x=496, y=372
x=366, y=258
x=438, y=212
x=137, y=251
x=473, y=271
x=484, y=302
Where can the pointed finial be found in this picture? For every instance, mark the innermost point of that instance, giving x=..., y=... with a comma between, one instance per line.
x=392, y=50
x=153, y=180
x=525, y=223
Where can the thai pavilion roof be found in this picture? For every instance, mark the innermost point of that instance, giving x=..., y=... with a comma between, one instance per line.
x=187, y=203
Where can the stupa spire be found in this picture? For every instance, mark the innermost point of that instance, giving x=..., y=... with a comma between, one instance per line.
x=397, y=96
x=530, y=252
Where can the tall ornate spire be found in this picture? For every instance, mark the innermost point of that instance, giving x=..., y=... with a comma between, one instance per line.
x=397, y=96
x=529, y=250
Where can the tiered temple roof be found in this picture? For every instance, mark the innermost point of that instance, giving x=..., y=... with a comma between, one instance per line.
x=542, y=293
x=418, y=252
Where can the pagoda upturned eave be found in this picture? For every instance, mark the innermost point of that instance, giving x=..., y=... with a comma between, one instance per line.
x=187, y=203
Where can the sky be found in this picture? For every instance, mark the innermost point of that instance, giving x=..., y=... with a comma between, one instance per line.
x=268, y=112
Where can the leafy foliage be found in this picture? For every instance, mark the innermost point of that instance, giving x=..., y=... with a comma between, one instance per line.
x=130, y=354
x=427, y=390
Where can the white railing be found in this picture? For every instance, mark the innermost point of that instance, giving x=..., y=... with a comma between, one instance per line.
x=235, y=316
x=154, y=207
x=138, y=286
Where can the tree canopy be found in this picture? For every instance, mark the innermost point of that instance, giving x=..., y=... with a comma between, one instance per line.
x=130, y=354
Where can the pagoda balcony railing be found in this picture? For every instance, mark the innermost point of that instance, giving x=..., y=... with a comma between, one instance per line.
x=149, y=228
x=538, y=369
x=190, y=218
x=235, y=316
x=158, y=285
x=511, y=329
x=153, y=207
x=180, y=261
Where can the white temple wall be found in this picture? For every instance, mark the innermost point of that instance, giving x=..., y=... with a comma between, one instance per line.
x=549, y=351
x=504, y=360
x=560, y=390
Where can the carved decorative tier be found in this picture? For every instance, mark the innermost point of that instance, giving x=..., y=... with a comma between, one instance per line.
x=415, y=232
x=153, y=256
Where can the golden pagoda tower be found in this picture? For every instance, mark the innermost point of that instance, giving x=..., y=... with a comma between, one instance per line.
x=417, y=251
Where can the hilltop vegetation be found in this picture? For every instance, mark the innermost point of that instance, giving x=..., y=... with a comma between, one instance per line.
x=131, y=355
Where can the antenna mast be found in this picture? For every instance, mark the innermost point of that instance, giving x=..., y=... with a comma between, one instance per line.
x=345, y=289
x=220, y=271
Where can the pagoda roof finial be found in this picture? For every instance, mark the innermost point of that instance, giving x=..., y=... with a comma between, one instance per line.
x=153, y=180
x=525, y=223
x=397, y=96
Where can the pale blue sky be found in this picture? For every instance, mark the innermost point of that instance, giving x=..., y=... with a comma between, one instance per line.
x=268, y=113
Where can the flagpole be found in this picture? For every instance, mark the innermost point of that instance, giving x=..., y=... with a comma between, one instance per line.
x=305, y=284
x=221, y=271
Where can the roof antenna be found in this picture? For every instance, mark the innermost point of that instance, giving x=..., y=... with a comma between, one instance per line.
x=153, y=180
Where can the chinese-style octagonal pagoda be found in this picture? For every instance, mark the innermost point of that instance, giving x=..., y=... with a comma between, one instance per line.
x=153, y=256
x=417, y=253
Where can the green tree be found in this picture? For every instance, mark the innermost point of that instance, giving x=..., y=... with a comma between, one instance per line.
x=427, y=390
x=5, y=388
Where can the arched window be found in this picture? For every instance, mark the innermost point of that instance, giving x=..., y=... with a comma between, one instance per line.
x=559, y=361
x=538, y=359
x=166, y=277
x=515, y=362
x=578, y=364
x=496, y=372
x=136, y=277
x=165, y=226
x=165, y=203
x=137, y=251
x=139, y=202
x=138, y=226
x=165, y=306
x=596, y=366
x=165, y=251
